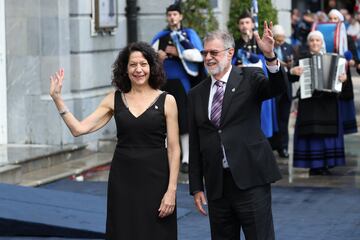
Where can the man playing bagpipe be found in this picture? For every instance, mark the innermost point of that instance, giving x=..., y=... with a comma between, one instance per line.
x=246, y=42
x=179, y=49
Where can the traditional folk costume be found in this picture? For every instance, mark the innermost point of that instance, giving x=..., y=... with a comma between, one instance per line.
x=319, y=134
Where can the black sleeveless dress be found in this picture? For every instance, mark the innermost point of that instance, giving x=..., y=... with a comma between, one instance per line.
x=139, y=175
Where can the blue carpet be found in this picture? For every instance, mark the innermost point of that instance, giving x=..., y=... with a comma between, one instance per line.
x=299, y=212
x=316, y=213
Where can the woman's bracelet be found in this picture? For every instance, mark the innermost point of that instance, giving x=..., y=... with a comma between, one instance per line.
x=63, y=111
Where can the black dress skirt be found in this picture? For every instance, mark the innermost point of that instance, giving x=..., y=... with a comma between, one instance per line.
x=139, y=175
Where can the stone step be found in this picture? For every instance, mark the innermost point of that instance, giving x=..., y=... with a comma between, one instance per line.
x=17, y=160
x=10, y=173
x=65, y=169
x=54, y=158
x=107, y=144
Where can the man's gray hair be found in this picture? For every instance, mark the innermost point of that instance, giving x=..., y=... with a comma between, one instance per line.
x=278, y=30
x=223, y=35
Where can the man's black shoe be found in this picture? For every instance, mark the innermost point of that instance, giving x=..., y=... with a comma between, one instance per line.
x=283, y=153
x=326, y=172
x=316, y=171
x=184, y=168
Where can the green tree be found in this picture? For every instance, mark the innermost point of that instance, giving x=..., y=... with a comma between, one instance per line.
x=266, y=13
x=199, y=15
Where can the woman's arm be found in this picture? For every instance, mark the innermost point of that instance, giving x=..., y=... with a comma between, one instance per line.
x=173, y=148
x=93, y=122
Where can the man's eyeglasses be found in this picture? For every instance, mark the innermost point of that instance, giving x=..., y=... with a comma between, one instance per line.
x=213, y=53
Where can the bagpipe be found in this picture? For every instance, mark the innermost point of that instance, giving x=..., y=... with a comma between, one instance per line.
x=247, y=58
x=188, y=54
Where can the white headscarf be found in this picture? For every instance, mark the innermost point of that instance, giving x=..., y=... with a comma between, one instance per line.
x=320, y=35
x=337, y=13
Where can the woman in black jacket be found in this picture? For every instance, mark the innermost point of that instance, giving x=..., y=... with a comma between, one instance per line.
x=319, y=137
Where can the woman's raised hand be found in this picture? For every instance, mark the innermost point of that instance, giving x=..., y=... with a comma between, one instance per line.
x=56, y=82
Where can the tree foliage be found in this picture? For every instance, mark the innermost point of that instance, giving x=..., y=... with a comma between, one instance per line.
x=199, y=15
x=266, y=13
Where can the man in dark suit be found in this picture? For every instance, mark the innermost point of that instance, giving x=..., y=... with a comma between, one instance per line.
x=227, y=145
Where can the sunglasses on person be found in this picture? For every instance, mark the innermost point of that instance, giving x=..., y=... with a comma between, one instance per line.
x=213, y=53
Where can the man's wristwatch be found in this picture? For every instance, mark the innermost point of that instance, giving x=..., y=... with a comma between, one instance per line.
x=271, y=59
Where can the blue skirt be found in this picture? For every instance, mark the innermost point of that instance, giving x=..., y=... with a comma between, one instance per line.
x=348, y=115
x=318, y=151
x=269, y=122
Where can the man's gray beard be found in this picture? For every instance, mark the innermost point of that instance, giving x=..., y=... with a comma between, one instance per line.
x=219, y=68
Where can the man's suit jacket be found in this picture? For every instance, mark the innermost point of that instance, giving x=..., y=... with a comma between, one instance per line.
x=248, y=152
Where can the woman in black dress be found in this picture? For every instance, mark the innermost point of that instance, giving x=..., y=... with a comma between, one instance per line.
x=144, y=171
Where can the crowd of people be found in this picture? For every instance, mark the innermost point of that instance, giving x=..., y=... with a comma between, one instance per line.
x=324, y=119
x=301, y=25
x=180, y=103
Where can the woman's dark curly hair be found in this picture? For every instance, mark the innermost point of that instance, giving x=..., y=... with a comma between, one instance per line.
x=120, y=77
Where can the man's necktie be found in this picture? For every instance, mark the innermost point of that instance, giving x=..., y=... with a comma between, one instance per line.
x=217, y=103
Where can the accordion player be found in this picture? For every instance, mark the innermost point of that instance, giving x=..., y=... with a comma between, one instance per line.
x=321, y=73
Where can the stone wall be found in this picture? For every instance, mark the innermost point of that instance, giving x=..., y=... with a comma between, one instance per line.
x=41, y=36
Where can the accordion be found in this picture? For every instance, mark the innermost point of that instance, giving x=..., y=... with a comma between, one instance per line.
x=321, y=73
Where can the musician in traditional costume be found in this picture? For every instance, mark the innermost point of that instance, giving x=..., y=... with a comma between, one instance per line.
x=247, y=40
x=319, y=135
x=347, y=105
x=179, y=49
x=285, y=52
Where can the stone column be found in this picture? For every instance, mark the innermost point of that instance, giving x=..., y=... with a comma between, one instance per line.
x=3, y=93
x=284, y=14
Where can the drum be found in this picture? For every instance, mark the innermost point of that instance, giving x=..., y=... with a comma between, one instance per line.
x=334, y=35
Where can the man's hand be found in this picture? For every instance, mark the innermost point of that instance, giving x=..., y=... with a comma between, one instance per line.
x=171, y=50
x=162, y=55
x=266, y=43
x=200, y=200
